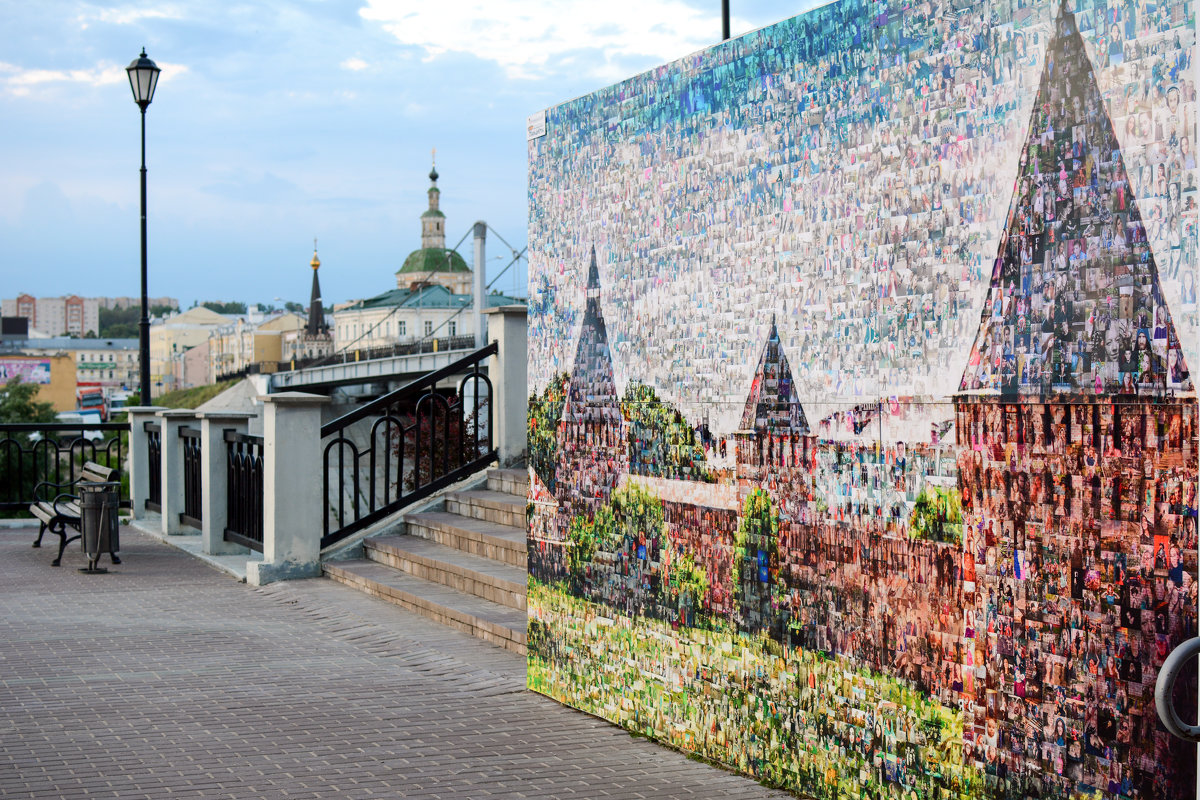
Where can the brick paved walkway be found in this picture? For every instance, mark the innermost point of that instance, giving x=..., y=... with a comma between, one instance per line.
x=166, y=678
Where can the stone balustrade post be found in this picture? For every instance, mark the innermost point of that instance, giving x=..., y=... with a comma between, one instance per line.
x=172, y=469
x=293, y=503
x=508, y=371
x=138, y=465
x=214, y=478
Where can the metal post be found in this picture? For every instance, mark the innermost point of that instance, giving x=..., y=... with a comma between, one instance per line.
x=144, y=324
x=480, y=277
x=724, y=20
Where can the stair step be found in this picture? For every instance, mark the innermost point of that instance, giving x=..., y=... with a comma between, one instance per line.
x=492, y=580
x=475, y=536
x=492, y=622
x=488, y=505
x=509, y=481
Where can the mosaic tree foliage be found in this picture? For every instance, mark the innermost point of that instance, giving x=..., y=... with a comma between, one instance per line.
x=545, y=413
x=756, y=563
x=661, y=442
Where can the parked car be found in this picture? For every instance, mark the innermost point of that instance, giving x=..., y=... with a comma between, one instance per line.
x=76, y=417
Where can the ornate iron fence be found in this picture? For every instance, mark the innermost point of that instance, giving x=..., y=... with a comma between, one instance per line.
x=192, y=465
x=33, y=452
x=244, y=484
x=406, y=445
x=154, y=460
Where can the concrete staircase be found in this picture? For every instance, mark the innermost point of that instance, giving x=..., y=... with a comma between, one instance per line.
x=463, y=565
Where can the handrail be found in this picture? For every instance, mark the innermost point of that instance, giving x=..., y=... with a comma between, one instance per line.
x=31, y=427
x=383, y=402
x=422, y=346
x=57, y=456
x=1164, y=688
x=420, y=441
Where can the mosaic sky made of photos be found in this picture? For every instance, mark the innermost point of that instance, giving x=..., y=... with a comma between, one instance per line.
x=850, y=174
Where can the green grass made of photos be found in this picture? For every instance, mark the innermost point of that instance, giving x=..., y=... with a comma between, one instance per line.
x=768, y=701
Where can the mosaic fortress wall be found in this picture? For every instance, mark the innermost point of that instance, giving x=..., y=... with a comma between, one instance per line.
x=863, y=439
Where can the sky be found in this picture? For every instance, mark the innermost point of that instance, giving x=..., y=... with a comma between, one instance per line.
x=279, y=121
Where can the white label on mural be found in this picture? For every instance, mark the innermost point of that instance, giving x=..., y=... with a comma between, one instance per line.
x=535, y=126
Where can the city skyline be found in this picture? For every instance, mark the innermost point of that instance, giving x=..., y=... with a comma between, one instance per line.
x=275, y=125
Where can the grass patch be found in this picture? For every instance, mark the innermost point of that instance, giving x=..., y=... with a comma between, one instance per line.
x=193, y=398
x=825, y=726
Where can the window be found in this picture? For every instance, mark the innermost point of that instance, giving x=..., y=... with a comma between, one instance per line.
x=402, y=328
x=428, y=327
x=451, y=328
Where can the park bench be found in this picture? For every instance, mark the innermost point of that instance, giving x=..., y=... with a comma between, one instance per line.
x=62, y=512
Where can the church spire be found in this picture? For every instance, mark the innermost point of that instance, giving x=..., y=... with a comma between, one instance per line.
x=316, y=312
x=433, y=221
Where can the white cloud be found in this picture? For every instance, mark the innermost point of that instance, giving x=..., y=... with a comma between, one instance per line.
x=354, y=64
x=522, y=36
x=127, y=15
x=21, y=82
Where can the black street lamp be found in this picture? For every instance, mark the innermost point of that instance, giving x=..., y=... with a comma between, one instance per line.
x=143, y=77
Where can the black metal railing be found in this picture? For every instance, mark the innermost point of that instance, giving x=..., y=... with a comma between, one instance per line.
x=405, y=446
x=55, y=452
x=154, y=461
x=193, y=515
x=351, y=355
x=244, y=487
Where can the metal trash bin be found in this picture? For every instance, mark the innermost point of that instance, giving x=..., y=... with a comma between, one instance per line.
x=98, y=505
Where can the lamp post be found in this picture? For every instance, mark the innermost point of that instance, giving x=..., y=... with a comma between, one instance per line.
x=143, y=78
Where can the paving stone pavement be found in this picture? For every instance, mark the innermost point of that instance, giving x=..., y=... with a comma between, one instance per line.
x=166, y=678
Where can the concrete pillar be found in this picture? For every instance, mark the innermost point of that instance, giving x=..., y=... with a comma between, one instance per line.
x=138, y=464
x=508, y=371
x=214, y=478
x=172, y=469
x=293, y=505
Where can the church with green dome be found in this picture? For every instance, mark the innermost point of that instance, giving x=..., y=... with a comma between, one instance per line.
x=432, y=299
x=433, y=263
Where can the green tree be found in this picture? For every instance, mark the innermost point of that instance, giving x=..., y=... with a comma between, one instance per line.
x=586, y=536
x=755, y=563
x=122, y=323
x=19, y=472
x=685, y=587
x=937, y=515
x=545, y=413
x=18, y=403
x=661, y=442
x=631, y=522
x=229, y=307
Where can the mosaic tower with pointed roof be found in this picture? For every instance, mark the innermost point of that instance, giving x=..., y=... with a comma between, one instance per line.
x=1075, y=308
x=595, y=451
x=774, y=431
x=1072, y=440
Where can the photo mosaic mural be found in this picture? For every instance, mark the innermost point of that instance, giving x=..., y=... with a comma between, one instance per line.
x=863, y=444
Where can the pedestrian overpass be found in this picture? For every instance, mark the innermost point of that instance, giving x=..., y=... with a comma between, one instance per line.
x=351, y=368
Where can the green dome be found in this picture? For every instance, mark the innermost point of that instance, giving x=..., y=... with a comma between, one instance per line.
x=433, y=260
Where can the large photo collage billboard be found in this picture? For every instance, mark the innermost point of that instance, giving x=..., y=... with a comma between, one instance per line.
x=862, y=437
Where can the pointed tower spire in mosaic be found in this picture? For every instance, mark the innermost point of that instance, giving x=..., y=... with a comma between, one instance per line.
x=596, y=452
x=592, y=396
x=1075, y=307
x=773, y=405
